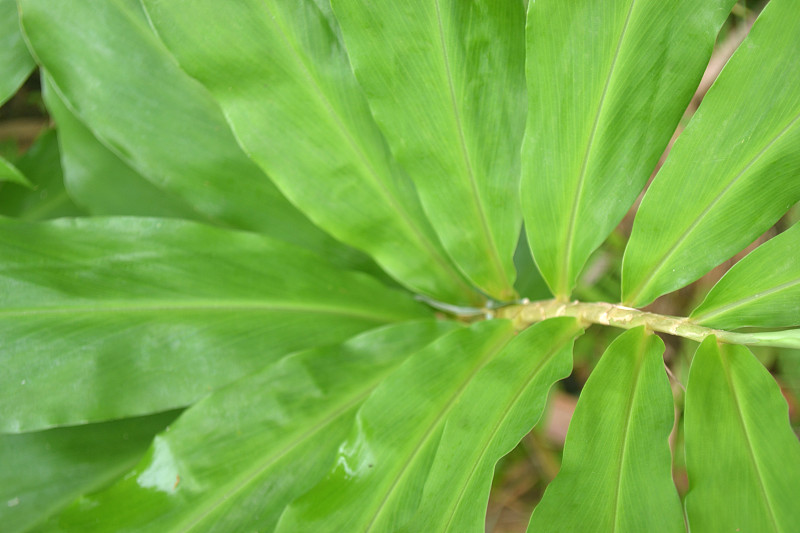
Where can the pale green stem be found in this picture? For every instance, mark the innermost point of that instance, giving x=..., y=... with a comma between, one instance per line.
x=526, y=314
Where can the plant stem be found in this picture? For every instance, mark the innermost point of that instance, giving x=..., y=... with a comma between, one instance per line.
x=526, y=314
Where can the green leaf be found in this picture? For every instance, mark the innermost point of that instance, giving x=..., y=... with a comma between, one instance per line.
x=43, y=471
x=445, y=81
x=377, y=481
x=16, y=63
x=501, y=404
x=47, y=198
x=283, y=79
x=763, y=289
x=607, y=84
x=98, y=179
x=742, y=458
x=114, y=75
x=266, y=439
x=732, y=173
x=105, y=318
x=11, y=174
x=616, y=473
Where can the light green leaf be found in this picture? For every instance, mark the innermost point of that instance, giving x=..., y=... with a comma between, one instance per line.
x=44, y=471
x=616, y=473
x=501, y=405
x=115, y=317
x=11, y=174
x=742, y=458
x=47, y=197
x=377, y=481
x=98, y=179
x=732, y=173
x=119, y=80
x=763, y=289
x=266, y=439
x=16, y=63
x=445, y=81
x=284, y=81
x=607, y=84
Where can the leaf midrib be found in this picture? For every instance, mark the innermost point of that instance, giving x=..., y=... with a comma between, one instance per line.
x=648, y=280
x=486, y=232
x=704, y=317
x=490, y=353
x=558, y=346
x=564, y=288
x=206, y=306
x=380, y=186
x=743, y=426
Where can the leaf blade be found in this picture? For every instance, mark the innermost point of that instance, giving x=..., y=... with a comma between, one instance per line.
x=597, y=126
x=441, y=82
x=734, y=203
x=741, y=454
x=299, y=113
x=16, y=63
x=763, y=289
x=616, y=471
x=111, y=297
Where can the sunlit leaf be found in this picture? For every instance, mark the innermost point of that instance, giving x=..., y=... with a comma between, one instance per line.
x=104, y=318
x=763, y=289
x=616, y=474
x=742, y=458
x=445, y=81
x=732, y=173
x=607, y=84
x=285, y=84
x=235, y=459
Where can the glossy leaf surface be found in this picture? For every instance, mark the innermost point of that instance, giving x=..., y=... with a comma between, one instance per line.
x=381, y=468
x=114, y=317
x=616, y=473
x=445, y=80
x=97, y=178
x=501, y=404
x=47, y=198
x=16, y=63
x=117, y=78
x=607, y=84
x=43, y=471
x=238, y=457
x=742, y=457
x=763, y=289
x=285, y=84
x=732, y=173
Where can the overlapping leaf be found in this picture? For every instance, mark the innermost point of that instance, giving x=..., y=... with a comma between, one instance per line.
x=16, y=64
x=763, y=289
x=607, y=83
x=732, y=173
x=104, y=318
x=286, y=86
x=427, y=439
x=45, y=470
x=235, y=459
x=98, y=179
x=616, y=473
x=445, y=81
x=742, y=457
x=118, y=80
x=46, y=197
x=11, y=174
